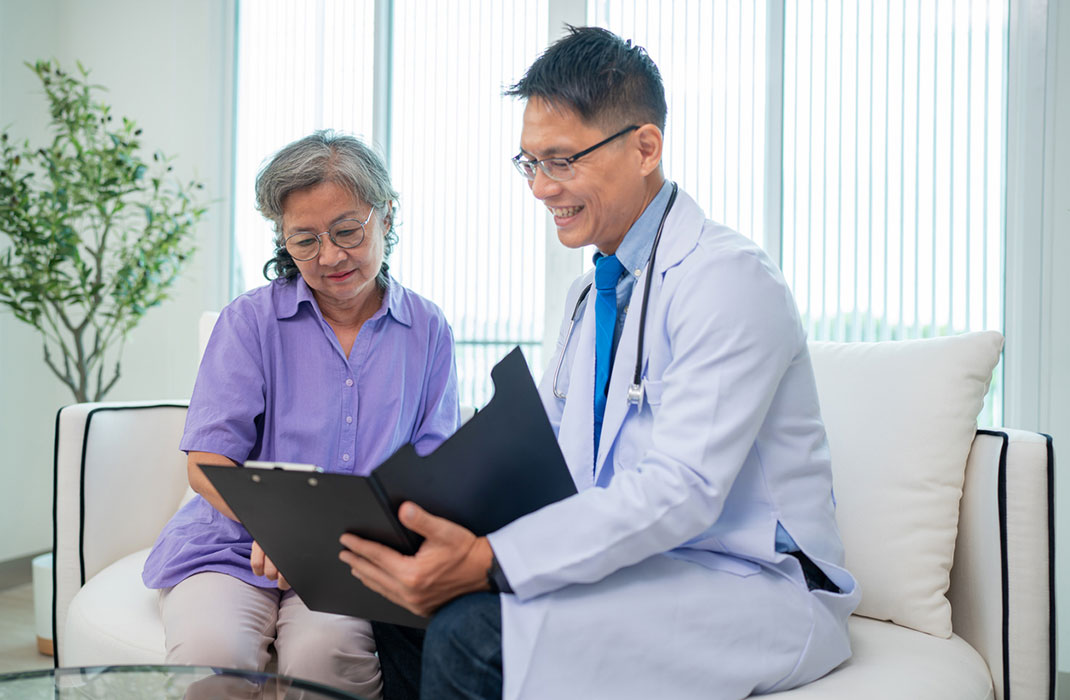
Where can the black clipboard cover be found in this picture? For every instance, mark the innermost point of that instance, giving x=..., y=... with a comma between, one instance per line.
x=502, y=464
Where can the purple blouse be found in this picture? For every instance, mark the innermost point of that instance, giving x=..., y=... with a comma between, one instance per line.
x=275, y=385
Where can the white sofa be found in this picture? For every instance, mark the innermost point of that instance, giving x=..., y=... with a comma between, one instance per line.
x=119, y=476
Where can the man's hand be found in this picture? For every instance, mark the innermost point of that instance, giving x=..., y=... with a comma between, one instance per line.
x=262, y=566
x=451, y=562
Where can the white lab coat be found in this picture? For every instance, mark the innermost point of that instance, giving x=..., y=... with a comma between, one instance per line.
x=660, y=577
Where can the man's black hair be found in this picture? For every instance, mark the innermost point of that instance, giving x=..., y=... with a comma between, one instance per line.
x=607, y=81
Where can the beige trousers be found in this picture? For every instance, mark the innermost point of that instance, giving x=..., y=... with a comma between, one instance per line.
x=213, y=619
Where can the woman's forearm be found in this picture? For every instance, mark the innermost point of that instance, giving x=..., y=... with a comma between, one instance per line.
x=199, y=482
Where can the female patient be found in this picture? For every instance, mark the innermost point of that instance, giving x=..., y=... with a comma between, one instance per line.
x=332, y=363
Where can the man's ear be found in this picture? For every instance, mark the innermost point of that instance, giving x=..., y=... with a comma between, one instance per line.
x=650, y=143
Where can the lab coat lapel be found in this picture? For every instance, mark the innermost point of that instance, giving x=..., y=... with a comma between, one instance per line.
x=682, y=230
x=576, y=434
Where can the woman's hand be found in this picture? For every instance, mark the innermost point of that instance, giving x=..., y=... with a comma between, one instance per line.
x=262, y=566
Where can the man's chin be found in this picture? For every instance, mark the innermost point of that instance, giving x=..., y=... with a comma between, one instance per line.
x=571, y=238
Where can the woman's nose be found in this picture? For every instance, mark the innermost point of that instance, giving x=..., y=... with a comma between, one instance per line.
x=330, y=253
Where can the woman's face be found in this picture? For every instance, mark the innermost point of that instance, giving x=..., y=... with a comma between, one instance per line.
x=340, y=278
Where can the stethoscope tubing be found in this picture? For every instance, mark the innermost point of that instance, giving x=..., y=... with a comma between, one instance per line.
x=635, y=391
x=568, y=337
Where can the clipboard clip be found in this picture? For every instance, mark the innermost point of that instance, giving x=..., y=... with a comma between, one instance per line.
x=283, y=466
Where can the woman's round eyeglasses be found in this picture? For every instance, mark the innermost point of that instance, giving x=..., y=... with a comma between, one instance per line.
x=347, y=233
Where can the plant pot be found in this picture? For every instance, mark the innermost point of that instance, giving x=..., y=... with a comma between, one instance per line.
x=42, y=601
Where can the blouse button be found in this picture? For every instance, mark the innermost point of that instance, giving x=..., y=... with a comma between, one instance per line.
x=349, y=419
x=349, y=382
x=345, y=457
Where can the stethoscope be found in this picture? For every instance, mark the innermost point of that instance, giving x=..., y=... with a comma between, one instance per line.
x=635, y=390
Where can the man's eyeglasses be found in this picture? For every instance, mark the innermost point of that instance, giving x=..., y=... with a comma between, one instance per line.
x=560, y=169
x=347, y=233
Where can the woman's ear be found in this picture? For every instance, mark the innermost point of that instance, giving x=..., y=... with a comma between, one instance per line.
x=388, y=217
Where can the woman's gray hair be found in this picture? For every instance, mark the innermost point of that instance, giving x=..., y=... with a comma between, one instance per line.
x=325, y=156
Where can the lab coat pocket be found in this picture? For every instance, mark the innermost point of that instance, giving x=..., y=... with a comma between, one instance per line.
x=633, y=439
x=652, y=390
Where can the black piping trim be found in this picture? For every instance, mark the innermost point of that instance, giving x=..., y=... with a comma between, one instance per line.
x=1051, y=569
x=1002, y=496
x=55, y=493
x=1001, y=502
x=81, y=500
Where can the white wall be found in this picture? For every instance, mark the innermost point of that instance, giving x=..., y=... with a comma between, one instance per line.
x=167, y=64
x=28, y=395
x=1055, y=412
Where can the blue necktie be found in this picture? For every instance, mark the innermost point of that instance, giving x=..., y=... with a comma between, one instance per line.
x=606, y=273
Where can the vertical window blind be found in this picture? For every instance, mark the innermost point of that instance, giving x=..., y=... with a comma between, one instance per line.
x=891, y=175
x=860, y=141
x=894, y=119
x=302, y=66
x=471, y=234
x=712, y=58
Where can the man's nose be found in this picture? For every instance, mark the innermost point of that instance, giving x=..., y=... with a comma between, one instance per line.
x=543, y=185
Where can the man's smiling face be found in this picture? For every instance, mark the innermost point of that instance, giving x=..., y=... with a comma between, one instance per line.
x=606, y=195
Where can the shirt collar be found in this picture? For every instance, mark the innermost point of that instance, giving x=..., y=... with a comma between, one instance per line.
x=292, y=293
x=395, y=303
x=634, y=250
x=289, y=293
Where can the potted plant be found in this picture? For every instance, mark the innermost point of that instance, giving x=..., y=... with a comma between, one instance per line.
x=92, y=235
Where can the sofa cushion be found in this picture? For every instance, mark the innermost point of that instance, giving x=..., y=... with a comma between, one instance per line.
x=115, y=619
x=890, y=662
x=901, y=416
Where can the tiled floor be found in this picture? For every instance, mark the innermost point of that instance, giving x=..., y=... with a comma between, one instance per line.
x=18, y=639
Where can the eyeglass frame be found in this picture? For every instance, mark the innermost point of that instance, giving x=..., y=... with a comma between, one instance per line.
x=521, y=163
x=319, y=237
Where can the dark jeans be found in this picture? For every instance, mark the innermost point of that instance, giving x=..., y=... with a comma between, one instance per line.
x=816, y=580
x=459, y=657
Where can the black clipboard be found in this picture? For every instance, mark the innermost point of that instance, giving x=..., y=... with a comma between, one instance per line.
x=502, y=464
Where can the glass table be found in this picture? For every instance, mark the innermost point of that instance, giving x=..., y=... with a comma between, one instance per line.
x=163, y=682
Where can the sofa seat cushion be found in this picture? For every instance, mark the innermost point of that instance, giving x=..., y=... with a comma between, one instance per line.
x=891, y=662
x=115, y=619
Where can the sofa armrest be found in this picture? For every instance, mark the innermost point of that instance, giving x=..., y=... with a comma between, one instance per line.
x=1002, y=592
x=119, y=476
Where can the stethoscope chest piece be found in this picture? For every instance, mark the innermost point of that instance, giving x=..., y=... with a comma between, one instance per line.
x=635, y=395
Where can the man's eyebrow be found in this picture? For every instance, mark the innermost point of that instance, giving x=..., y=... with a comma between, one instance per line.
x=552, y=152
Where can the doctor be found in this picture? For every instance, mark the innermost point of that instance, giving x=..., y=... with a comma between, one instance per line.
x=701, y=557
